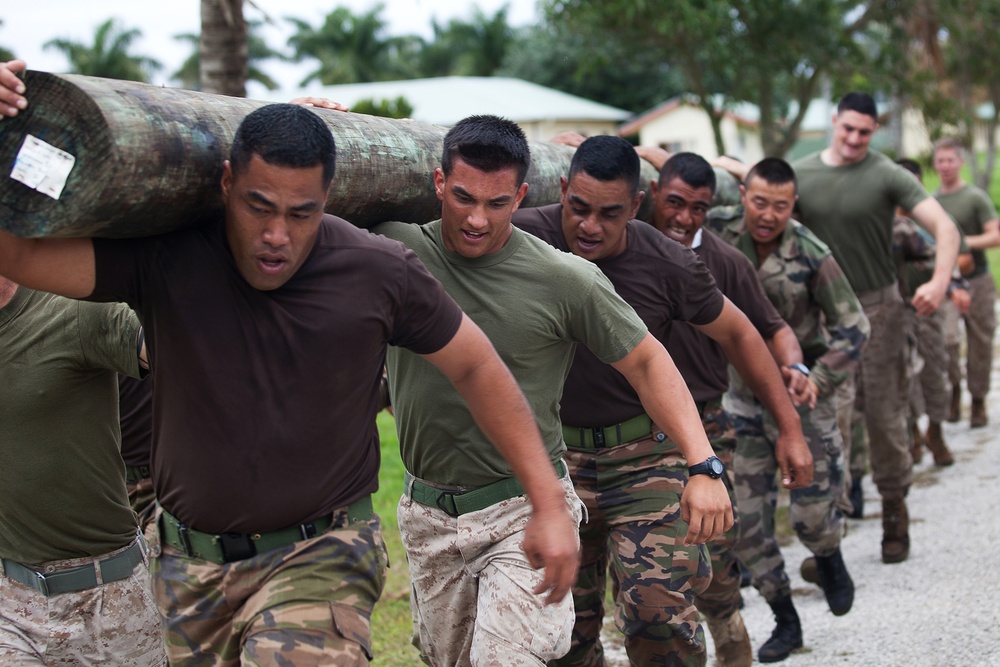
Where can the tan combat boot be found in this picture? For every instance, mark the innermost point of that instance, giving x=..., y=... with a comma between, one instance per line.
x=895, y=530
x=978, y=418
x=732, y=641
x=935, y=443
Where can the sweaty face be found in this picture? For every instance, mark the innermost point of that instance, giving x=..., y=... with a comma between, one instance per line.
x=767, y=209
x=476, y=207
x=272, y=218
x=679, y=210
x=947, y=163
x=852, y=132
x=595, y=214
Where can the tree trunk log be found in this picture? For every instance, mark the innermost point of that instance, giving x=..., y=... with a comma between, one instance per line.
x=148, y=160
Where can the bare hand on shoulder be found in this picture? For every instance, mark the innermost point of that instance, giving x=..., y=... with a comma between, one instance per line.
x=319, y=103
x=12, y=89
x=551, y=541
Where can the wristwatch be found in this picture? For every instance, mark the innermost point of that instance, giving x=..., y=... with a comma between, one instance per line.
x=800, y=367
x=711, y=466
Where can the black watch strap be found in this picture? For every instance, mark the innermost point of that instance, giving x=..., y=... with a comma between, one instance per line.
x=712, y=466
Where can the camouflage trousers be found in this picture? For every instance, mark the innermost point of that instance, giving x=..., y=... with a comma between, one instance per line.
x=472, y=598
x=111, y=624
x=814, y=511
x=142, y=498
x=308, y=603
x=632, y=493
x=929, y=391
x=722, y=598
x=979, y=326
x=883, y=390
x=851, y=422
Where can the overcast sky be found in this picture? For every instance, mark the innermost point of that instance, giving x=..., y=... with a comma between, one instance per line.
x=31, y=23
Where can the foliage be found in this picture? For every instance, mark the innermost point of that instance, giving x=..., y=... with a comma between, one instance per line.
x=397, y=108
x=768, y=52
x=350, y=48
x=109, y=55
x=257, y=50
x=597, y=67
x=5, y=54
x=467, y=48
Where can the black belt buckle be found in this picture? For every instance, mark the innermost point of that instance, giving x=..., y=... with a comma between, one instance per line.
x=307, y=530
x=449, y=508
x=185, y=538
x=236, y=546
x=598, y=437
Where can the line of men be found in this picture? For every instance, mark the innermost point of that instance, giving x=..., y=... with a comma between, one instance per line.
x=462, y=497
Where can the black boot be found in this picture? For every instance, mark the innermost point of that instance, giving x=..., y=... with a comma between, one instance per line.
x=857, y=498
x=787, y=635
x=838, y=587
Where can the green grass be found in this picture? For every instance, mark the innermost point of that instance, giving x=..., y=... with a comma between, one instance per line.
x=391, y=621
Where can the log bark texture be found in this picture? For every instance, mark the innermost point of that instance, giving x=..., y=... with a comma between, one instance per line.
x=148, y=160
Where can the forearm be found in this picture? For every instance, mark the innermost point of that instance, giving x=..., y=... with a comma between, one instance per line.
x=754, y=362
x=983, y=241
x=666, y=398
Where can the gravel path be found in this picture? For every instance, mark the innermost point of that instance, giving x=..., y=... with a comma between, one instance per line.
x=941, y=607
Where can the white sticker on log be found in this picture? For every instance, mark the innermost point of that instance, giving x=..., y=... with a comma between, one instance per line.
x=42, y=166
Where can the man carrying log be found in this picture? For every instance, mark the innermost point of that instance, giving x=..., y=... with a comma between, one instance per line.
x=268, y=329
x=460, y=518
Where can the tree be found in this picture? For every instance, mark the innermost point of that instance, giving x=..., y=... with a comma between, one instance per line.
x=350, y=48
x=5, y=54
x=468, y=48
x=222, y=48
x=109, y=55
x=768, y=52
x=257, y=50
x=397, y=108
x=596, y=67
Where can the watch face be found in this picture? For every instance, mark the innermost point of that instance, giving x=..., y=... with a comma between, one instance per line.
x=717, y=467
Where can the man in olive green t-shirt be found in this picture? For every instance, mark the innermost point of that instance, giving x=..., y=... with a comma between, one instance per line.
x=847, y=196
x=976, y=215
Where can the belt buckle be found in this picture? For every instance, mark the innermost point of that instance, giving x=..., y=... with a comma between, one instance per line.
x=236, y=546
x=185, y=538
x=598, y=433
x=43, y=586
x=450, y=511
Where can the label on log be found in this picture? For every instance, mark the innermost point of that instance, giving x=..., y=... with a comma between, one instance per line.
x=42, y=167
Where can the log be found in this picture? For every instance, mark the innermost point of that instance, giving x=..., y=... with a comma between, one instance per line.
x=148, y=159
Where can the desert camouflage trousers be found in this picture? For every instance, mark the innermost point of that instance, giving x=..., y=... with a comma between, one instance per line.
x=813, y=512
x=305, y=604
x=979, y=326
x=632, y=493
x=472, y=587
x=929, y=390
x=111, y=624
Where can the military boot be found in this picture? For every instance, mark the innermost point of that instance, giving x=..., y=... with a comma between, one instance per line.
x=978, y=418
x=935, y=443
x=857, y=498
x=895, y=530
x=917, y=444
x=837, y=585
x=787, y=635
x=955, y=409
x=732, y=641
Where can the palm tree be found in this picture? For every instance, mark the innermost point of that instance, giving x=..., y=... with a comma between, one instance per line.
x=468, y=48
x=257, y=50
x=109, y=55
x=223, y=52
x=350, y=48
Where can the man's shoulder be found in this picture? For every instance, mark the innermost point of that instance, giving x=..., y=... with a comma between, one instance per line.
x=808, y=243
x=649, y=241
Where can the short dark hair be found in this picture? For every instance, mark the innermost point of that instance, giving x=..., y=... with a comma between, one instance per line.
x=859, y=102
x=487, y=143
x=285, y=135
x=691, y=168
x=911, y=166
x=607, y=158
x=773, y=171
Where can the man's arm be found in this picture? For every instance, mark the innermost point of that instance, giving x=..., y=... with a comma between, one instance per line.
x=61, y=266
x=933, y=218
x=786, y=351
x=748, y=353
x=990, y=237
x=705, y=503
x=503, y=414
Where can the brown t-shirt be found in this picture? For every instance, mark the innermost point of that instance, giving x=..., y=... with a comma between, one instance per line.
x=135, y=409
x=700, y=359
x=264, y=404
x=661, y=279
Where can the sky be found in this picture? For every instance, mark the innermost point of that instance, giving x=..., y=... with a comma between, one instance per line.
x=34, y=22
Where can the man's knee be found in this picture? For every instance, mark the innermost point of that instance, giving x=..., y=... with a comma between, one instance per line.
x=308, y=634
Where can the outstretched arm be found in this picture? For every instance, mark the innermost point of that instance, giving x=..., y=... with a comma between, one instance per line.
x=705, y=504
x=748, y=353
x=502, y=413
x=929, y=213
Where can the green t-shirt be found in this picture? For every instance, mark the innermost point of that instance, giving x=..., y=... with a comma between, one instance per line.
x=534, y=303
x=851, y=209
x=62, y=480
x=971, y=208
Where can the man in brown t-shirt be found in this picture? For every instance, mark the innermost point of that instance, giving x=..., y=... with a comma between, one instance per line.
x=268, y=332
